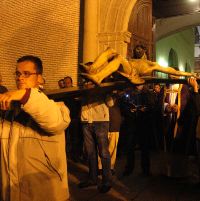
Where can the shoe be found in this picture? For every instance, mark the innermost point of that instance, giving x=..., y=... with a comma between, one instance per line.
x=104, y=188
x=86, y=184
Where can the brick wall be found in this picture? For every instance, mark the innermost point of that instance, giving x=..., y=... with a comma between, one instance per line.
x=46, y=28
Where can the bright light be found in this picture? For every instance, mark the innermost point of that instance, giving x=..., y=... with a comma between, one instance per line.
x=192, y=0
x=162, y=62
x=181, y=68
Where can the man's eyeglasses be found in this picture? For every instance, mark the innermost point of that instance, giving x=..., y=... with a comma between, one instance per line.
x=24, y=74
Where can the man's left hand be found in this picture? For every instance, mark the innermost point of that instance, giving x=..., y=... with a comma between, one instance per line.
x=193, y=82
x=175, y=108
x=8, y=97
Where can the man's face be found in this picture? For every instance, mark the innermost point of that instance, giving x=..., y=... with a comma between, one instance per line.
x=89, y=85
x=68, y=82
x=157, y=88
x=140, y=87
x=61, y=84
x=26, y=75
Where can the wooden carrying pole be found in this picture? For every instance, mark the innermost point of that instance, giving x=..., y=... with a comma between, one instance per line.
x=105, y=88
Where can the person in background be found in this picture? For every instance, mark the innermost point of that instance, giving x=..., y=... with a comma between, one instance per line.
x=138, y=110
x=33, y=160
x=68, y=82
x=196, y=101
x=175, y=101
x=3, y=89
x=185, y=141
x=61, y=83
x=73, y=132
x=158, y=94
x=114, y=128
x=196, y=117
x=156, y=89
x=95, y=125
x=41, y=84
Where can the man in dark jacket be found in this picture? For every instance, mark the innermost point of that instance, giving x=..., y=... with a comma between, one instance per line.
x=140, y=129
x=184, y=142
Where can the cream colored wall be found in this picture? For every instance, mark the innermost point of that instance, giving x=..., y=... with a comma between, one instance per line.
x=171, y=25
x=112, y=17
x=48, y=29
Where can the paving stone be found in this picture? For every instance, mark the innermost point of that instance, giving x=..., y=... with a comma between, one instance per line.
x=158, y=187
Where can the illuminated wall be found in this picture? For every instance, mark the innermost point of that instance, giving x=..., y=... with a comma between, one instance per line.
x=46, y=28
x=182, y=43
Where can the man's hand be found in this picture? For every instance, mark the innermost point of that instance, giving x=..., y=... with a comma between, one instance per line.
x=143, y=109
x=8, y=97
x=175, y=108
x=168, y=108
x=193, y=82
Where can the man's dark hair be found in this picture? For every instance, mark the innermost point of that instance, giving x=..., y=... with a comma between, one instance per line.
x=36, y=60
x=68, y=77
x=157, y=84
x=61, y=80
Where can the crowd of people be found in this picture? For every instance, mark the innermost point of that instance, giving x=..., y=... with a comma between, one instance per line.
x=65, y=82
x=34, y=130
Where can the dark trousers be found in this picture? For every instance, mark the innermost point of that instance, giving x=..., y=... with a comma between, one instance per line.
x=96, y=138
x=75, y=139
x=138, y=134
x=168, y=129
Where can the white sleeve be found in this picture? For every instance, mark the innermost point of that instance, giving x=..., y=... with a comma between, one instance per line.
x=52, y=116
x=165, y=105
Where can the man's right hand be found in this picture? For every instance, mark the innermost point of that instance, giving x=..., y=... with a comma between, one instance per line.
x=193, y=82
x=8, y=97
x=174, y=108
x=168, y=108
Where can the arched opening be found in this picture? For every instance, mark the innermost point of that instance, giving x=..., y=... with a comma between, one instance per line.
x=173, y=59
x=140, y=27
x=187, y=67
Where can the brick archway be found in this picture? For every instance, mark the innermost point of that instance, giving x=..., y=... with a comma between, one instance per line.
x=114, y=17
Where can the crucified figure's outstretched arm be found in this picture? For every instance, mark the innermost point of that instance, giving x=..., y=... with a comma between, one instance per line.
x=146, y=67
